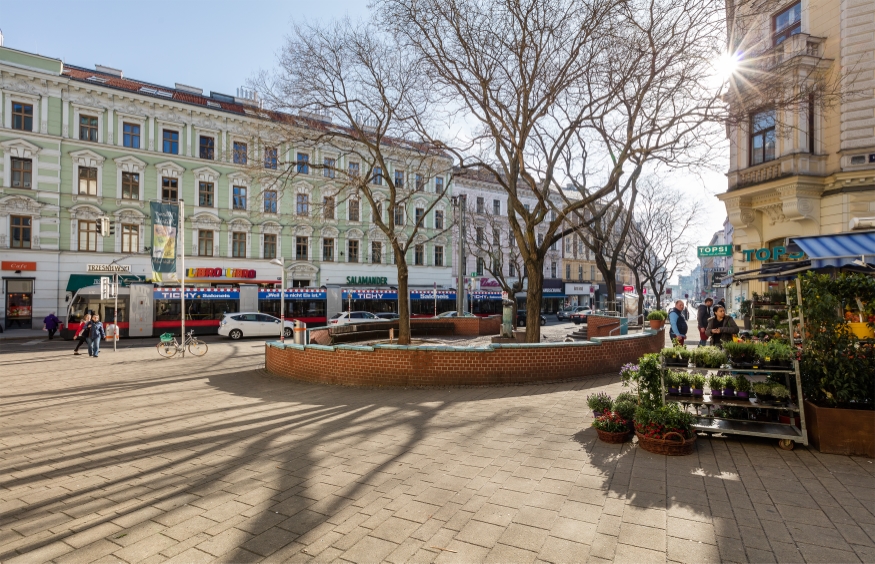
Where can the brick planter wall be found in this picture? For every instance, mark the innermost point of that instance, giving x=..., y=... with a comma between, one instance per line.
x=462, y=326
x=392, y=365
x=601, y=326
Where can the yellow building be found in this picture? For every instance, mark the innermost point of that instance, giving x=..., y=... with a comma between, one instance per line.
x=804, y=166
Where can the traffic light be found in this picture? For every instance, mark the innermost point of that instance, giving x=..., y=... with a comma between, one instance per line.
x=103, y=226
x=111, y=228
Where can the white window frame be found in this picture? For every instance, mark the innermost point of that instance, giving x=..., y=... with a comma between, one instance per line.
x=121, y=119
x=34, y=100
x=87, y=158
x=20, y=149
x=79, y=109
x=129, y=164
x=170, y=170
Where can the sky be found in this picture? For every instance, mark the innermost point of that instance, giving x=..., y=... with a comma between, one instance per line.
x=217, y=45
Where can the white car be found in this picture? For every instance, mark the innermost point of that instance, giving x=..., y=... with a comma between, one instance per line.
x=348, y=317
x=253, y=324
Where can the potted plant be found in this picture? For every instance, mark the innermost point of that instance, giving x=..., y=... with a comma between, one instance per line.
x=763, y=390
x=611, y=428
x=776, y=354
x=780, y=393
x=716, y=382
x=741, y=355
x=599, y=403
x=728, y=387
x=676, y=356
x=627, y=397
x=657, y=319
x=746, y=310
x=685, y=381
x=672, y=382
x=708, y=357
x=697, y=383
x=625, y=408
x=665, y=430
x=742, y=387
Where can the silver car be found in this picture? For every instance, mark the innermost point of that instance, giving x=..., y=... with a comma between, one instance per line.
x=347, y=317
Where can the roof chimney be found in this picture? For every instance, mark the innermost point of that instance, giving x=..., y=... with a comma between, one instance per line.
x=109, y=70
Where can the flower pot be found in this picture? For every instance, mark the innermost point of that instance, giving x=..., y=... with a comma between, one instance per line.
x=656, y=324
x=698, y=393
x=614, y=438
x=716, y=394
x=728, y=393
x=673, y=391
x=861, y=330
x=741, y=364
x=849, y=432
x=672, y=444
x=685, y=390
x=741, y=395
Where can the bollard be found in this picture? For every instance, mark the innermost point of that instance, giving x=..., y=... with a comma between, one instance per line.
x=300, y=333
x=391, y=334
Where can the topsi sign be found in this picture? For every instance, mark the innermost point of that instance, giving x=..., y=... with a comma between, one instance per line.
x=109, y=268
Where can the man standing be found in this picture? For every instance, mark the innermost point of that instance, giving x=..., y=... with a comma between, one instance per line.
x=678, y=323
x=703, y=314
x=51, y=324
x=97, y=332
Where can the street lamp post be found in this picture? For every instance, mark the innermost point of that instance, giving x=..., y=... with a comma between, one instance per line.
x=281, y=262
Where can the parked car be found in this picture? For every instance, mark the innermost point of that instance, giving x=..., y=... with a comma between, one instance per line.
x=347, y=317
x=388, y=316
x=453, y=314
x=581, y=316
x=253, y=324
x=566, y=313
x=521, y=318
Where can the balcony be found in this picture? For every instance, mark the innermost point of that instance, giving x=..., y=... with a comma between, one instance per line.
x=796, y=164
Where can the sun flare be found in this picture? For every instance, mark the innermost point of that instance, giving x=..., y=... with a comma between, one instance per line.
x=727, y=64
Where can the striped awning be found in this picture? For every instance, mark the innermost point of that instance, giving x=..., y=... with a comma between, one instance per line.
x=840, y=249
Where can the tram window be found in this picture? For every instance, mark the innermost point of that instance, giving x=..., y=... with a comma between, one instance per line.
x=220, y=307
x=167, y=310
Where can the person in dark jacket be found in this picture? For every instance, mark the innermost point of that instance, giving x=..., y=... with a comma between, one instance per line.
x=678, y=323
x=721, y=327
x=703, y=314
x=97, y=333
x=50, y=324
x=82, y=334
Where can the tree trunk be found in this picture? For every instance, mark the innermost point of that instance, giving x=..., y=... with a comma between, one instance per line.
x=403, y=301
x=534, y=294
x=639, y=287
x=611, y=287
x=658, y=299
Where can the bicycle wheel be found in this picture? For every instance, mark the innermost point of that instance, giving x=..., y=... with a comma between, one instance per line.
x=197, y=348
x=167, y=350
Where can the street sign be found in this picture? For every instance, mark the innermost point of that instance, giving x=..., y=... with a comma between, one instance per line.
x=715, y=251
x=108, y=268
x=104, y=287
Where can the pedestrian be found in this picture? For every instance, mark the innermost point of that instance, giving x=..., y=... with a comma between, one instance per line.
x=703, y=314
x=50, y=324
x=97, y=332
x=678, y=323
x=721, y=327
x=82, y=334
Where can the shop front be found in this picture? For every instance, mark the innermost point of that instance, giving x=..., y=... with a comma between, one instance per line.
x=554, y=295
x=580, y=293
x=18, y=294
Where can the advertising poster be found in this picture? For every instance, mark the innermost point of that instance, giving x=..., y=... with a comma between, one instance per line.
x=165, y=220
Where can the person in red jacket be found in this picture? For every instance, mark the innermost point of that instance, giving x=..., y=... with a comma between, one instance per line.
x=83, y=332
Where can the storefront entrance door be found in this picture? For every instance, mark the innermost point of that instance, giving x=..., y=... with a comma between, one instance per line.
x=19, y=304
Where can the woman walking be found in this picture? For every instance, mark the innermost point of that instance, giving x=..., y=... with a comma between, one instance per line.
x=721, y=327
x=82, y=333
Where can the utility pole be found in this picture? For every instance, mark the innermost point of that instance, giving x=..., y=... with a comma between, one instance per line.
x=461, y=203
x=181, y=230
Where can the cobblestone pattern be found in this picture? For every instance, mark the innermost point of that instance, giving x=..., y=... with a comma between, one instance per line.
x=133, y=458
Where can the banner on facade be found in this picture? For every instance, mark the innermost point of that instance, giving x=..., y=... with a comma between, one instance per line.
x=165, y=221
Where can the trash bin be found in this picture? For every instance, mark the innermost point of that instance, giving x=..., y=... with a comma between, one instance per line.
x=624, y=326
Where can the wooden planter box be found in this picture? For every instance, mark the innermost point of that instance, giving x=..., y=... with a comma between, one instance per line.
x=841, y=431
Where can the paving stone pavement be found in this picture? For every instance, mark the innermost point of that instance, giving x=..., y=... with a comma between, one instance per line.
x=134, y=458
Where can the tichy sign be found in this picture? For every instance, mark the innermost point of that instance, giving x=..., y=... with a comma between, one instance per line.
x=366, y=280
x=715, y=251
x=219, y=273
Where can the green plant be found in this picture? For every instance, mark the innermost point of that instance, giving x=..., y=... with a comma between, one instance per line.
x=742, y=384
x=684, y=378
x=762, y=389
x=775, y=351
x=599, y=402
x=657, y=315
x=658, y=421
x=741, y=352
x=780, y=392
x=777, y=296
x=671, y=379
x=745, y=309
x=625, y=409
x=709, y=357
x=676, y=353
x=716, y=382
x=611, y=423
x=626, y=397
x=698, y=382
x=728, y=383
x=648, y=381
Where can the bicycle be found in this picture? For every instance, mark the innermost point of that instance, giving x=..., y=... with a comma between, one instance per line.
x=169, y=346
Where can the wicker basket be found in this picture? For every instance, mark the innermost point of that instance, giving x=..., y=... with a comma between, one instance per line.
x=614, y=438
x=666, y=446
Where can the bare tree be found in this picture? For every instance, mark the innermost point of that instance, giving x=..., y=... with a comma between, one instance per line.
x=564, y=91
x=353, y=93
x=489, y=239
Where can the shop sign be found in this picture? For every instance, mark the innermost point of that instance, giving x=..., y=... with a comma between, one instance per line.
x=572, y=289
x=199, y=294
x=715, y=251
x=764, y=254
x=219, y=273
x=432, y=295
x=485, y=295
x=108, y=268
x=369, y=294
x=628, y=289
x=292, y=294
x=17, y=265
x=366, y=280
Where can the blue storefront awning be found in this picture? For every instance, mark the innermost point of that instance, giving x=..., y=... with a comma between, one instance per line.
x=838, y=250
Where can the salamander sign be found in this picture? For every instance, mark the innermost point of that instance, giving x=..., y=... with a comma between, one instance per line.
x=366, y=280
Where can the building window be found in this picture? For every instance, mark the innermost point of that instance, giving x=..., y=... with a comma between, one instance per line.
x=378, y=176
x=478, y=237
x=270, y=158
x=552, y=269
x=354, y=170
x=480, y=266
x=439, y=219
x=438, y=255
x=496, y=207
x=787, y=23
x=376, y=252
x=130, y=186
x=580, y=273
x=480, y=205
x=241, y=155
x=420, y=182
x=301, y=248
x=329, y=167
x=204, y=243
x=352, y=250
x=238, y=244
x=592, y=272
x=328, y=250
x=208, y=147
x=811, y=123
x=88, y=180
x=399, y=179
x=22, y=116
x=419, y=255
x=87, y=128
x=303, y=163
x=171, y=141
x=130, y=238
x=438, y=184
x=353, y=210
x=269, y=246
x=239, y=197
x=20, y=225
x=270, y=201
x=399, y=214
x=22, y=173
x=205, y=194
x=762, y=137
x=87, y=235
x=131, y=135
x=420, y=215
x=496, y=237
x=328, y=207
x=302, y=206
x=169, y=189
x=511, y=270
x=568, y=272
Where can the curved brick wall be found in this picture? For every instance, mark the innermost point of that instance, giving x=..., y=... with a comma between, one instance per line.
x=394, y=365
